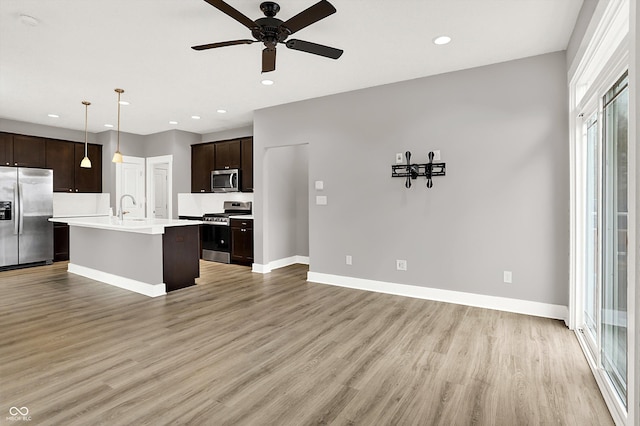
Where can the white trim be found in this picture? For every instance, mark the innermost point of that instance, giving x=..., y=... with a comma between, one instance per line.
x=151, y=290
x=505, y=304
x=280, y=263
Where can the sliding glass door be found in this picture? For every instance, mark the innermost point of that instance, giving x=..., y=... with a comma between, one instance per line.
x=592, y=230
x=614, y=291
x=605, y=234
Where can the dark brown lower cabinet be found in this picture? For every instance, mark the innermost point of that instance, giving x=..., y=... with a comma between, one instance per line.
x=60, y=241
x=180, y=256
x=242, y=241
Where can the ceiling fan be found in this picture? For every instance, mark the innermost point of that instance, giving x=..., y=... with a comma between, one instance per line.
x=271, y=30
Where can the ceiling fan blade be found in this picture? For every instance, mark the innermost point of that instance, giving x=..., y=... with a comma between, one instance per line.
x=318, y=11
x=221, y=44
x=316, y=49
x=232, y=12
x=269, y=59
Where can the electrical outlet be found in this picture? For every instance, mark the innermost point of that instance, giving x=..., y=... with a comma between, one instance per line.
x=401, y=265
x=399, y=158
x=348, y=259
x=436, y=155
x=507, y=276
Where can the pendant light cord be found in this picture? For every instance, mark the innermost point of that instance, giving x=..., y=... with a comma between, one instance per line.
x=86, y=118
x=118, y=148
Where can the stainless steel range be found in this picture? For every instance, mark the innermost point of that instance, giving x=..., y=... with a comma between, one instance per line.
x=216, y=238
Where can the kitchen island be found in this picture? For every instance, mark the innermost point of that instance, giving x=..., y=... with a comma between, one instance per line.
x=147, y=256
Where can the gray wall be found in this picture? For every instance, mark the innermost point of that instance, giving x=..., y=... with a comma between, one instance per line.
x=502, y=130
x=580, y=28
x=286, y=210
x=178, y=144
x=228, y=134
x=42, y=131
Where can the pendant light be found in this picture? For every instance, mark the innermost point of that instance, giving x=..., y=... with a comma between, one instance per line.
x=85, y=163
x=117, y=157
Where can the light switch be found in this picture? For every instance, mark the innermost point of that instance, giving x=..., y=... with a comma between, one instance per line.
x=399, y=158
x=436, y=155
x=319, y=185
x=321, y=200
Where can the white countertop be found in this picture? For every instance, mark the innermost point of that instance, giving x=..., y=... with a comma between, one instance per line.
x=80, y=215
x=140, y=226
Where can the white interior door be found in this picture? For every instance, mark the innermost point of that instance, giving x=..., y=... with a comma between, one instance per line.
x=130, y=180
x=159, y=187
x=160, y=190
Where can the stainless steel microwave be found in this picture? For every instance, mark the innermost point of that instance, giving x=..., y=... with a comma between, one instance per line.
x=224, y=180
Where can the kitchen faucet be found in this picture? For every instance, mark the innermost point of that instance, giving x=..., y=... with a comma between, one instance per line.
x=120, y=212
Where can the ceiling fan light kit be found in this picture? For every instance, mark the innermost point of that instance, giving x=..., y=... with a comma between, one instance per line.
x=270, y=30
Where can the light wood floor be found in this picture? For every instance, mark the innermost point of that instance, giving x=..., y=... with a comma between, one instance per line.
x=249, y=349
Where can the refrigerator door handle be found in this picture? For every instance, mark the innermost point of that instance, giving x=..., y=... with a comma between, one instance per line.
x=16, y=228
x=21, y=212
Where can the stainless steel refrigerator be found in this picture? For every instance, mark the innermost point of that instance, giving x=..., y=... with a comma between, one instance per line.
x=26, y=204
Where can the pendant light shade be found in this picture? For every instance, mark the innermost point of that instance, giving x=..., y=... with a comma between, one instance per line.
x=117, y=156
x=85, y=163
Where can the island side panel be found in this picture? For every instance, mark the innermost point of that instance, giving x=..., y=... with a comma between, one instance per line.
x=130, y=255
x=181, y=256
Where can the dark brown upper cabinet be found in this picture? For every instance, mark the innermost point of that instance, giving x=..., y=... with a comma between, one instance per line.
x=60, y=158
x=6, y=149
x=246, y=165
x=29, y=151
x=64, y=159
x=88, y=180
x=227, y=155
x=202, y=163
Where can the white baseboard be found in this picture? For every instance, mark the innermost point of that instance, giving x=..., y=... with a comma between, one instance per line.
x=461, y=298
x=280, y=263
x=151, y=290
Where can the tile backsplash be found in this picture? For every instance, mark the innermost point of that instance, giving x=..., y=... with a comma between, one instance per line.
x=65, y=205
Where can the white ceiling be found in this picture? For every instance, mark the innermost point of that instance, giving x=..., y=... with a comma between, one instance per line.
x=84, y=49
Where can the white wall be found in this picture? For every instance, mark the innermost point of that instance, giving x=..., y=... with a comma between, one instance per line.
x=502, y=130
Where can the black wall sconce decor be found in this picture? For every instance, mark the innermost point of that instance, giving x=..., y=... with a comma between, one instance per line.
x=412, y=171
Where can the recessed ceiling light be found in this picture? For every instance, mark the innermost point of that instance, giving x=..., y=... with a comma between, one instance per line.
x=267, y=82
x=53, y=115
x=441, y=40
x=173, y=122
x=222, y=111
x=124, y=103
x=29, y=20
x=108, y=125
x=195, y=117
